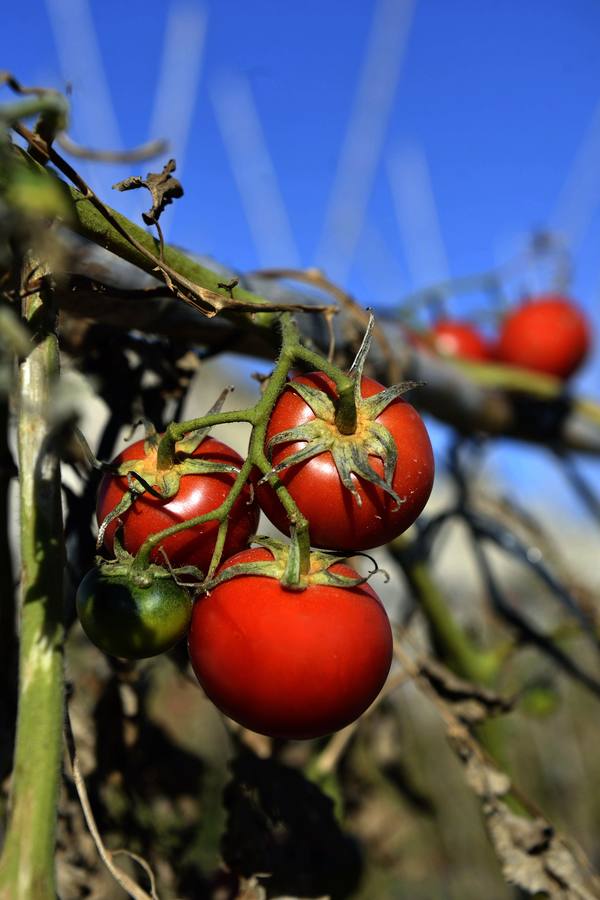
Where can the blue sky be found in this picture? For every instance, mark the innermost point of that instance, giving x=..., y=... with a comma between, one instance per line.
x=438, y=133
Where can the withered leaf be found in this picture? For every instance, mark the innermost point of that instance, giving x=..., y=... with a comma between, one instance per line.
x=471, y=703
x=537, y=860
x=532, y=855
x=162, y=186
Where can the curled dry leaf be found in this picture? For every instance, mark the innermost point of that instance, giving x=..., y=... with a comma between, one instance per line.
x=162, y=186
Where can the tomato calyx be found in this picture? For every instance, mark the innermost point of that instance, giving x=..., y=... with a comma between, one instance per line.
x=124, y=565
x=285, y=566
x=330, y=430
x=350, y=452
x=150, y=474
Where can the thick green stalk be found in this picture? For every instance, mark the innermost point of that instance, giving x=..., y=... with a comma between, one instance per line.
x=27, y=864
x=449, y=640
x=8, y=649
x=451, y=643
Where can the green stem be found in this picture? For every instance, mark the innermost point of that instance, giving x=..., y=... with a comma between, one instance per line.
x=8, y=637
x=258, y=417
x=449, y=640
x=178, y=430
x=345, y=407
x=89, y=222
x=27, y=864
x=452, y=644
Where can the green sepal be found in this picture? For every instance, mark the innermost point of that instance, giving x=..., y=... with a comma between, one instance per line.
x=285, y=568
x=124, y=566
x=311, y=449
x=353, y=459
x=358, y=364
x=121, y=554
x=292, y=575
x=121, y=507
x=351, y=456
x=319, y=402
x=165, y=483
x=151, y=435
x=331, y=579
x=192, y=441
x=202, y=467
x=350, y=452
x=316, y=430
x=376, y=404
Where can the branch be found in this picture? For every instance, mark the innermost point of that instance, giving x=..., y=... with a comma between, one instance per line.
x=121, y=877
x=490, y=399
x=533, y=856
x=473, y=398
x=101, y=224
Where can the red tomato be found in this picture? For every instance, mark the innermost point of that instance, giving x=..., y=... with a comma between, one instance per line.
x=547, y=334
x=460, y=339
x=291, y=664
x=197, y=494
x=336, y=519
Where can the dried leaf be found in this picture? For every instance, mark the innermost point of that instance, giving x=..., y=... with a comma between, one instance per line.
x=471, y=703
x=533, y=857
x=537, y=860
x=162, y=186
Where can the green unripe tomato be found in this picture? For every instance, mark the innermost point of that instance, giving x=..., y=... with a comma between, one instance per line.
x=133, y=618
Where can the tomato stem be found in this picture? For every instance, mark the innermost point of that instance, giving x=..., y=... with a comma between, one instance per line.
x=258, y=417
x=27, y=864
x=346, y=417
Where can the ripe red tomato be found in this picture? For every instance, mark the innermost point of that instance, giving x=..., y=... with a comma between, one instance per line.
x=336, y=519
x=291, y=664
x=547, y=334
x=460, y=339
x=197, y=495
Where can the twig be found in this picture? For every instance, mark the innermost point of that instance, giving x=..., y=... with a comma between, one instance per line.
x=143, y=152
x=532, y=855
x=319, y=280
x=127, y=883
x=206, y=301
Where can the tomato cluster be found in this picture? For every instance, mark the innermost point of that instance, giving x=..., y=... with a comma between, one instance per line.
x=293, y=659
x=548, y=334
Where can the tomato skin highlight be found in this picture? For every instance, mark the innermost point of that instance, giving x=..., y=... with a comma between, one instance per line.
x=127, y=620
x=547, y=334
x=336, y=520
x=290, y=664
x=198, y=494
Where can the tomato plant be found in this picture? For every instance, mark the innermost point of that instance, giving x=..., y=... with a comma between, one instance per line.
x=460, y=339
x=350, y=511
x=290, y=663
x=547, y=334
x=133, y=616
x=193, y=494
